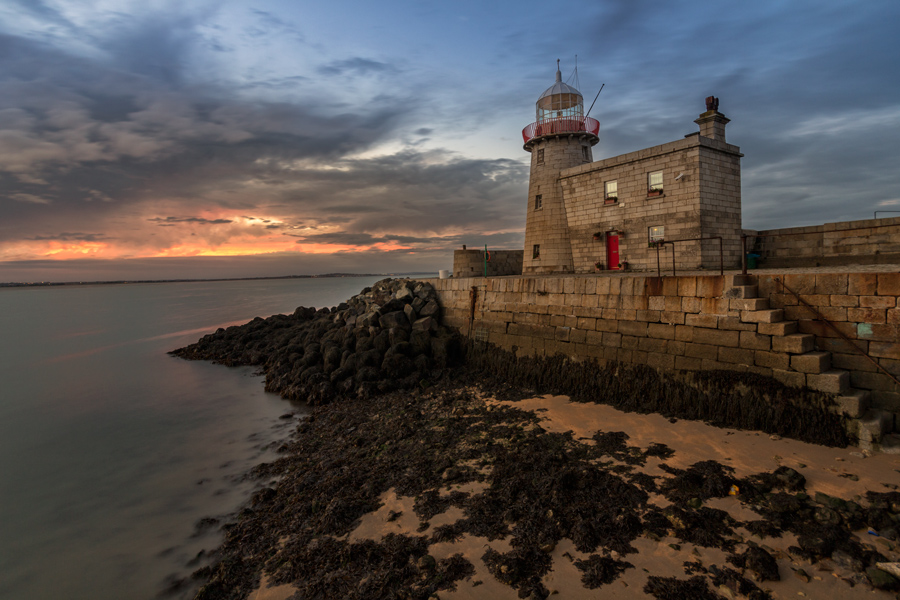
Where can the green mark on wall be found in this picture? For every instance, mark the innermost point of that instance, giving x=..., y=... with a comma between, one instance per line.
x=863, y=329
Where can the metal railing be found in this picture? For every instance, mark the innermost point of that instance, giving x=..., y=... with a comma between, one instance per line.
x=561, y=125
x=700, y=239
x=744, y=237
x=818, y=317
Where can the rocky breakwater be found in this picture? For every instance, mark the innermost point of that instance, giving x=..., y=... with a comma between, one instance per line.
x=387, y=337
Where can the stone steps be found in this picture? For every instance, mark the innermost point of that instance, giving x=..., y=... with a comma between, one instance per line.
x=815, y=365
x=870, y=426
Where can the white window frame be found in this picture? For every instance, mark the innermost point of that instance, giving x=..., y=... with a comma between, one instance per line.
x=656, y=234
x=655, y=187
x=611, y=195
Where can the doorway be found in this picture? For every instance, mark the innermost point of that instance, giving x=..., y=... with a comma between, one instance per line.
x=612, y=251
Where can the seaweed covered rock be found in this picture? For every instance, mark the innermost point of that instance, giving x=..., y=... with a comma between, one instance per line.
x=386, y=337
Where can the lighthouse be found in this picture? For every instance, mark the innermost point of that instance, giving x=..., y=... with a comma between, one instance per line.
x=560, y=138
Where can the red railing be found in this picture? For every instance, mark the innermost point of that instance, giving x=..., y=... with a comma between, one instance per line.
x=562, y=125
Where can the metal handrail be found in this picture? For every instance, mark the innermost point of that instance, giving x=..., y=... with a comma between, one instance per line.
x=561, y=125
x=744, y=237
x=831, y=325
x=673, y=242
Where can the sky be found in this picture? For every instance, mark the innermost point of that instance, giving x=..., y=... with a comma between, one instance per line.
x=159, y=139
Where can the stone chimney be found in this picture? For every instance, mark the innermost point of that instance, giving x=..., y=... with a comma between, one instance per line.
x=712, y=122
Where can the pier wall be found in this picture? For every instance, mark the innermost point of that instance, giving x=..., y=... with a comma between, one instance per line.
x=873, y=241
x=700, y=323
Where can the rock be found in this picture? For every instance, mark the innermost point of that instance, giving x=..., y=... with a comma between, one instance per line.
x=396, y=318
x=801, y=575
x=431, y=309
x=791, y=479
x=410, y=313
x=761, y=563
x=403, y=293
x=881, y=579
x=397, y=335
x=426, y=562
x=816, y=544
x=425, y=324
x=846, y=561
x=890, y=567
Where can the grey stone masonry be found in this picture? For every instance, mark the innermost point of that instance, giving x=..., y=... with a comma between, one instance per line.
x=700, y=198
x=690, y=323
x=547, y=245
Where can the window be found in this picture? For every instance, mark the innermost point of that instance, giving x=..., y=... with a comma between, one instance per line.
x=656, y=234
x=586, y=153
x=536, y=251
x=655, y=181
x=539, y=202
x=540, y=156
x=611, y=194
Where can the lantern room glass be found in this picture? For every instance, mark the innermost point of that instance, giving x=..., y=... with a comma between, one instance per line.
x=560, y=106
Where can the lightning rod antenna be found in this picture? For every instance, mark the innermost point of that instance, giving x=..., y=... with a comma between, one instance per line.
x=594, y=102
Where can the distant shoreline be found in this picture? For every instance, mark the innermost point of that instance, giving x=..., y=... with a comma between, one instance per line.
x=15, y=284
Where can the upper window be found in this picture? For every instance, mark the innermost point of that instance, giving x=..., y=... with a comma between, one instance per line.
x=536, y=251
x=540, y=156
x=539, y=202
x=655, y=181
x=611, y=192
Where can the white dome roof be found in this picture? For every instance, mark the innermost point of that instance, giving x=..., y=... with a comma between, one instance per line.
x=559, y=88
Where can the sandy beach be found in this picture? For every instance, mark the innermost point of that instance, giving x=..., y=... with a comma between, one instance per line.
x=840, y=472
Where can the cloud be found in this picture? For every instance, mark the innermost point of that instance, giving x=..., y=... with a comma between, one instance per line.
x=200, y=220
x=29, y=198
x=69, y=237
x=356, y=65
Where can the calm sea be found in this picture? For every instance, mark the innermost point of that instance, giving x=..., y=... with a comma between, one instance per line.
x=111, y=450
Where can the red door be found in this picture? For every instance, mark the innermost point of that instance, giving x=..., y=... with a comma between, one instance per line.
x=612, y=252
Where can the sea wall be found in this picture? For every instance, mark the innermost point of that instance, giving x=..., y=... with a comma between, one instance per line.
x=699, y=323
x=471, y=263
x=872, y=241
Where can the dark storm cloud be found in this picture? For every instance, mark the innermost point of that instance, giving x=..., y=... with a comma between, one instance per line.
x=199, y=220
x=356, y=65
x=96, y=144
x=71, y=237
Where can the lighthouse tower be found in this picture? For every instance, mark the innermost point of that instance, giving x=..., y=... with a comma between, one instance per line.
x=559, y=139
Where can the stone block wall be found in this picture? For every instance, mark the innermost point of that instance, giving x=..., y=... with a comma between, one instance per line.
x=470, y=263
x=701, y=197
x=872, y=241
x=720, y=203
x=863, y=307
x=696, y=323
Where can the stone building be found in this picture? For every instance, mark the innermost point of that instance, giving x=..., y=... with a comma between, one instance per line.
x=611, y=214
x=632, y=211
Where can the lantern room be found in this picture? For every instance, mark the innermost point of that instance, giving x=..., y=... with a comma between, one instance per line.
x=560, y=101
x=560, y=111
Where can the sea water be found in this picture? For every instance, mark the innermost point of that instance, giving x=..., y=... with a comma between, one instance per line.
x=111, y=451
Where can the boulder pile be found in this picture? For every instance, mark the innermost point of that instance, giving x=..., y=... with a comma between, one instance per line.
x=387, y=337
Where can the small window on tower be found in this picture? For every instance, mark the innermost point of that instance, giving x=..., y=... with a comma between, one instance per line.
x=586, y=153
x=539, y=202
x=612, y=192
x=655, y=182
x=540, y=156
x=536, y=251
